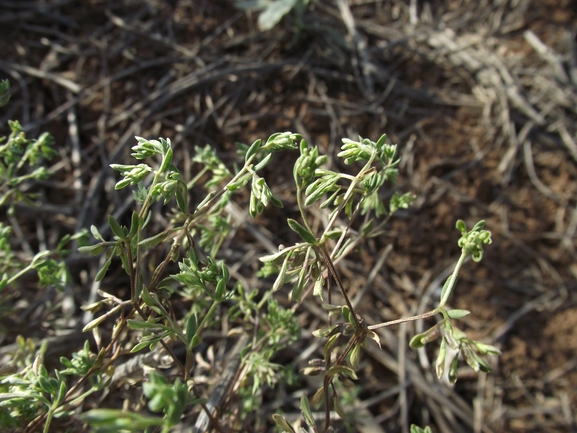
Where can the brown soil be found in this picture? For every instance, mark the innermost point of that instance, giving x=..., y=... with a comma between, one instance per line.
x=469, y=152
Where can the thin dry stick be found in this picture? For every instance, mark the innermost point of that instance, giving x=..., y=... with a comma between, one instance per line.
x=533, y=174
x=34, y=72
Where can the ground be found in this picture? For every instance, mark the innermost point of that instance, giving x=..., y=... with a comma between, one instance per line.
x=484, y=123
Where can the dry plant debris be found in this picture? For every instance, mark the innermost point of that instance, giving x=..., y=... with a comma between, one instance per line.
x=480, y=96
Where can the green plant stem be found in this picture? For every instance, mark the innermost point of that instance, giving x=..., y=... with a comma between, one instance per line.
x=446, y=294
x=20, y=273
x=193, y=219
x=48, y=420
x=201, y=173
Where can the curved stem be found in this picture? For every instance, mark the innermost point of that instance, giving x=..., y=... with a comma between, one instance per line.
x=322, y=250
x=450, y=284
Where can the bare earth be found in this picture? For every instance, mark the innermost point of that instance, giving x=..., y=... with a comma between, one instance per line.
x=480, y=96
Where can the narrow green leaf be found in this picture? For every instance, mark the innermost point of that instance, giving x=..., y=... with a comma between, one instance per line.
x=137, y=324
x=96, y=233
x=325, y=332
x=342, y=369
x=355, y=356
x=330, y=344
x=252, y=150
x=461, y=226
x=191, y=326
x=194, y=341
x=166, y=160
x=318, y=396
x=93, y=324
x=139, y=346
x=280, y=280
x=453, y=370
x=134, y=225
x=337, y=406
x=440, y=362
x=92, y=249
x=479, y=226
x=483, y=366
x=116, y=228
x=299, y=287
x=102, y=272
x=306, y=411
x=275, y=258
x=182, y=197
x=331, y=308
x=147, y=298
x=153, y=241
x=305, y=235
x=486, y=348
x=47, y=385
x=224, y=272
x=381, y=141
x=311, y=371
x=318, y=287
x=276, y=201
x=458, y=314
x=263, y=163
x=220, y=291
x=282, y=423
x=450, y=337
x=273, y=13
x=253, y=205
x=346, y=312
x=61, y=394
x=471, y=357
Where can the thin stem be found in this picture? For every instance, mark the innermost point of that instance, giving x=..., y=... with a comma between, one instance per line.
x=148, y=198
x=197, y=177
x=405, y=319
x=33, y=425
x=19, y=274
x=49, y=416
x=450, y=284
x=345, y=231
x=322, y=250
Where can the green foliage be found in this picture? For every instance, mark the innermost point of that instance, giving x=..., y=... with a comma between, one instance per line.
x=20, y=164
x=34, y=391
x=471, y=242
x=193, y=274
